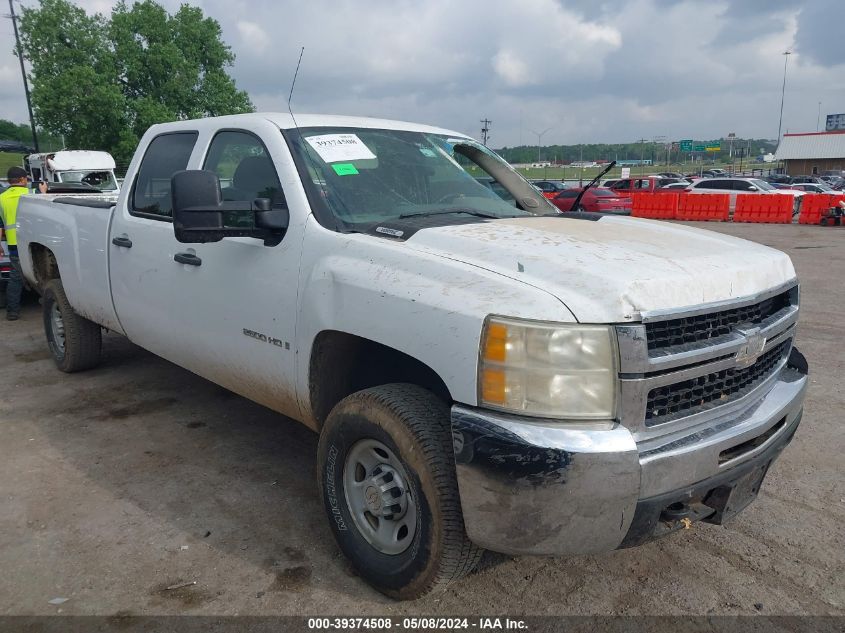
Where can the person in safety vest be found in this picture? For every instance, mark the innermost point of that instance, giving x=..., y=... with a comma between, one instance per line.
x=8, y=215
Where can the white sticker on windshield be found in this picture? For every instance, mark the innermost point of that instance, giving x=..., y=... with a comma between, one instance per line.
x=334, y=148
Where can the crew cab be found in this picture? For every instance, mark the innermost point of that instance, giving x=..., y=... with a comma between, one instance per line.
x=483, y=372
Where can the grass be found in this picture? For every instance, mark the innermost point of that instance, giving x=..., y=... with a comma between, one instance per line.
x=541, y=173
x=573, y=173
x=9, y=160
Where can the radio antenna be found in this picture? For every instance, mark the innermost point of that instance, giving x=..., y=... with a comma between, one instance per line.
x=293, y=83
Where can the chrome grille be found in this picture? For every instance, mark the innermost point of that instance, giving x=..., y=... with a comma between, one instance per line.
x=702, y=327
x=710, y=390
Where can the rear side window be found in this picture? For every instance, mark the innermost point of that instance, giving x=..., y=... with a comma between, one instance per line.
x=714, y=184
x=165, y=155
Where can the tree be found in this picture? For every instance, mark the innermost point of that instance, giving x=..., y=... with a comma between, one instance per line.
x=101, y=82
x=15, y=132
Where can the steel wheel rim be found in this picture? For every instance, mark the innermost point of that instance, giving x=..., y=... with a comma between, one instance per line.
x=57, y=328
x=375, y=485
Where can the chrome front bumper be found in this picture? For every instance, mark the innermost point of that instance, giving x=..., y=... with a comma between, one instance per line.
x=532, y=486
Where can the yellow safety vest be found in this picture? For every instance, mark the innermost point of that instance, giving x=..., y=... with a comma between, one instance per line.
x=9, y=212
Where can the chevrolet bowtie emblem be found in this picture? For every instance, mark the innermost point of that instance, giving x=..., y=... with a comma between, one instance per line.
x=751, y=350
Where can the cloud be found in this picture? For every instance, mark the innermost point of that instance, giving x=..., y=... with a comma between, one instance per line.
x=253, y=36
x=819, y=35
x=609, y=71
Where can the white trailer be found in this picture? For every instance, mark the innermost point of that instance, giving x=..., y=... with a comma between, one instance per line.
x=74, y=167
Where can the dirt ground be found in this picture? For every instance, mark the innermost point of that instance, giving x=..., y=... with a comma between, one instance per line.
x=125, y=480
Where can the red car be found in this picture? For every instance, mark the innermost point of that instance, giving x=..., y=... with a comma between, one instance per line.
x=595, y=199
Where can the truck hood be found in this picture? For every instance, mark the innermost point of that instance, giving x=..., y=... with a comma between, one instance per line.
x=613, y=269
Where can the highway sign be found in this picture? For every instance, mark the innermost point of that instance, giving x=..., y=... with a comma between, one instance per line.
x=699, y=148
x=686, y=145
x=714, y=147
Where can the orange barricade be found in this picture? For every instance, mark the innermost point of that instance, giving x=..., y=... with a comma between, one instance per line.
x=812, y=206
x=704, y=206
x=657, y=206
x=772, y=208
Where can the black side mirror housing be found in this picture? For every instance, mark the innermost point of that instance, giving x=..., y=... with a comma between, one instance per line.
x=198, y=211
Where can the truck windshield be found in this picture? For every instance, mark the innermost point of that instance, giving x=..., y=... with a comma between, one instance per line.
x=367, y=176
x=102, y=180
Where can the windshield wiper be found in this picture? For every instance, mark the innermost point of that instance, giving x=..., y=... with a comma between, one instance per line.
x=576, y=205
x=421, y=214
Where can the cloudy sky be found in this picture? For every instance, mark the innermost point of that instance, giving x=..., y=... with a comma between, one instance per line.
x=591, y=70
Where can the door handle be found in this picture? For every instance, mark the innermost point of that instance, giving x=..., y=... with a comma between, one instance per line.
x=123, y=242
x=187, y=258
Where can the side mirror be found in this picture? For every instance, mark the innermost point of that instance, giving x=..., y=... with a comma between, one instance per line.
x=198, y=212
x=752, y=188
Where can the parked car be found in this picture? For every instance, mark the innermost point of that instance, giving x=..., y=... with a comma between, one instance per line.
x=671, y=174
x=598, y=199
x=813, y=187
x=677, y=186
x=737, y=186
x=481, y=375
x=550, y=188
x=833, y=173
x=715, y=173
x=836, y=183
x=778, y=178
x=644, y=183
x=805, y=178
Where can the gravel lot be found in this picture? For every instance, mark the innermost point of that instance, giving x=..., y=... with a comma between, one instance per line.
x=120, y=482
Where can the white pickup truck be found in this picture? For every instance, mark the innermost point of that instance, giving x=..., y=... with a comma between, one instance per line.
x=484, y=372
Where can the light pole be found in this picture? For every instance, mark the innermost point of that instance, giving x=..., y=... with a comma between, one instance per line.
x=539, y=140
x=819, y=116
x=786, y=55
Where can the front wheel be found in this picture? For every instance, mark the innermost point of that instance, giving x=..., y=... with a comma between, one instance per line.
x=74, y=341
x=387, y=482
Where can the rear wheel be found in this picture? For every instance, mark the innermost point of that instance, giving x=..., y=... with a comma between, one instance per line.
x=387, y=481
x=74, y=341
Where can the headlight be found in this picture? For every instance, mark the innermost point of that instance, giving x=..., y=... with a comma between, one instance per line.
x=548, y=369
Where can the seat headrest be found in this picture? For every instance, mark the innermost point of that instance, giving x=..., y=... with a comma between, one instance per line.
x=255, y=174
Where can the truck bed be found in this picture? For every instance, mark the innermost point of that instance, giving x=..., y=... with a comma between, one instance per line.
x=76, y=229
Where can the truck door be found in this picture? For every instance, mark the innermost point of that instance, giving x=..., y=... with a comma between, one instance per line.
x=224, y=310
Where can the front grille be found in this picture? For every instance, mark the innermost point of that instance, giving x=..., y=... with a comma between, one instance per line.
x=711, y=390
x=694, y=329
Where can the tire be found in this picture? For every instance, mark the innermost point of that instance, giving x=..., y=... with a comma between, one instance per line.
x=411, y=428
x=74, y=341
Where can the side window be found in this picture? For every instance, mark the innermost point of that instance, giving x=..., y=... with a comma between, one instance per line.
x=741, y=185
x=714, y=184
x=165, y=155
x=623, y=185
x=246, y=172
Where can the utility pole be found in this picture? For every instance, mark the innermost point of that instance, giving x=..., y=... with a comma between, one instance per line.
x=786, y=55
x=19, y=51
x=819, y=116
x=485, y=131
